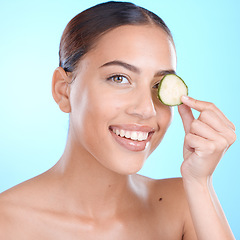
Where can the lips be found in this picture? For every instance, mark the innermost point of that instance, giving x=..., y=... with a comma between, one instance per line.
x=132, y=137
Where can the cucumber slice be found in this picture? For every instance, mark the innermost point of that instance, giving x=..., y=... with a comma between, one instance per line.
x=170, y=90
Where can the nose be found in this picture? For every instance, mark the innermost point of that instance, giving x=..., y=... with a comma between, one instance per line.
x=142, y=105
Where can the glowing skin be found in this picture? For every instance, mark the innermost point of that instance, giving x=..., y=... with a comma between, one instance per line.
x=100, y=103
x=116, y=121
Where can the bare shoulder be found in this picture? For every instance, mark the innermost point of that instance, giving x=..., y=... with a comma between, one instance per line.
x=170, y=193
x=169, y=185
x=169, y=205
x=166, y=196
x=10, y=210
x=18, y=205
x=22, y=193
x=169, y=189
x=15, y=196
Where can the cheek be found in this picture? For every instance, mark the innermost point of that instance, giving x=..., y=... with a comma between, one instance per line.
x=164, y=114
x=165, y=117
x=94, y=112
x=107, y=106
x=103, y=108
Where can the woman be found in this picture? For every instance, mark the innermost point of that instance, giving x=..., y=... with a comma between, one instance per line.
x=112, y=58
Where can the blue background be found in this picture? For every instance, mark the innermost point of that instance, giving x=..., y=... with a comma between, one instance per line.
x=32, y=128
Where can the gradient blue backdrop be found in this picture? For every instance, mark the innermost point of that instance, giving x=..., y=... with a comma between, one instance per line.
x=32, y=128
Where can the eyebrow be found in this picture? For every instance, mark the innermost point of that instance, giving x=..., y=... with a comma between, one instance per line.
x=164, y=72
x=122, y=64
x=135, y=69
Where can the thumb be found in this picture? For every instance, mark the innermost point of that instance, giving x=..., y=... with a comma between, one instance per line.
x=186, y=116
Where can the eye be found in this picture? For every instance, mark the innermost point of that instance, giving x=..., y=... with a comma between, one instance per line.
x=155, y=86
x=118, y=79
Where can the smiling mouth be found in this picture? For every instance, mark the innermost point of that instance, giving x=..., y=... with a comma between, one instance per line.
x=133, y=140
x=133, y=135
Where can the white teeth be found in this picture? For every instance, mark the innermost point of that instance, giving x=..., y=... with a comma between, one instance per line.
x=122, y=133
x=127, y=134
x=140, y=136
x=117, y=132
x=134, y=135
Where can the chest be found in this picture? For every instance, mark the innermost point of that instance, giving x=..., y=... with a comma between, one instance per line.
x=145, y=227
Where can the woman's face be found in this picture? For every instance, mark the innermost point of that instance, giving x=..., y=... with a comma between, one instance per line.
x=116, y=117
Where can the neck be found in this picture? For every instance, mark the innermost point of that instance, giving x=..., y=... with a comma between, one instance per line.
x=91, y=189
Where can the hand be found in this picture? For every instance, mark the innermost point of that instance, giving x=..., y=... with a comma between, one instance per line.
x=207, y=138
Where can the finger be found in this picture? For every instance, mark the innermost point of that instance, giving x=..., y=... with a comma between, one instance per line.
x=203, y=130
x=201, y=146
x=204, y=147
x=186, y=116
x=201, y=106
x=214, y=122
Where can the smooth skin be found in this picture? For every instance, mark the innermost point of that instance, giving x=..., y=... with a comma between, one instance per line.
x=93, y=192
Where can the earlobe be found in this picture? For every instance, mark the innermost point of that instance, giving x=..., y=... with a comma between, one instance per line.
x=60, y=89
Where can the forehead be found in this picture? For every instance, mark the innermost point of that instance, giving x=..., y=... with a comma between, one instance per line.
x=136, y=44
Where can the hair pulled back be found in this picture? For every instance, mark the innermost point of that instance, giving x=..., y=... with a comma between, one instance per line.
x=82, y=32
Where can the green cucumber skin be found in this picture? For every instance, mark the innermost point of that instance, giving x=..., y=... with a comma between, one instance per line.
x=160, y=87
x=170, y=104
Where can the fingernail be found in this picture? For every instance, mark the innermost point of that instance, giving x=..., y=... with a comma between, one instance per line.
x=185, y=98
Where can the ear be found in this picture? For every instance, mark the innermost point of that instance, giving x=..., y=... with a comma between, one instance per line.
x=61, y=89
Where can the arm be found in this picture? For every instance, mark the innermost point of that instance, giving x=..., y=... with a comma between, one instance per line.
x=207, y=139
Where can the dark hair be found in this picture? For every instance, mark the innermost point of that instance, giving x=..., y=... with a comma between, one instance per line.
x=85, y=28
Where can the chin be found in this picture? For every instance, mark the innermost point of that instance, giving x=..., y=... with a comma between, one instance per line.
x=128, y=165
